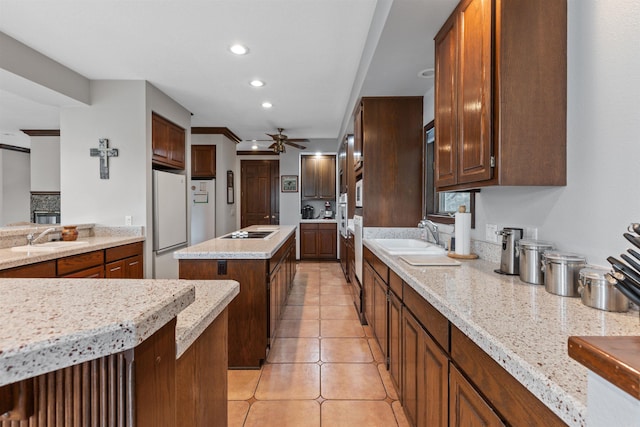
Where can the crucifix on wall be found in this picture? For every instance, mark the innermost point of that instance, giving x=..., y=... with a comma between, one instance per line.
x=104, y=152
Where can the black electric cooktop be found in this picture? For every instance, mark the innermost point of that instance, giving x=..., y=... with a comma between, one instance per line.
x=248, y=235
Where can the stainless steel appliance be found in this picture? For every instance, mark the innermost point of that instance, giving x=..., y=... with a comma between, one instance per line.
x=530, y=253
x=595, y=291
x=307, y=212
x=359, y=194
x=169, y=222
x=328, y=213
x=342, y=214
x=561, y=272
x=510, y=260
x=46, y=217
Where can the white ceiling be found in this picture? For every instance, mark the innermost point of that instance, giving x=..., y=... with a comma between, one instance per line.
x=308, y=52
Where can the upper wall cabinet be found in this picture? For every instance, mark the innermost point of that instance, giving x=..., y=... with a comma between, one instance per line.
x=318, y=174
x=168, y=143
x=501, y=95
x=203, y=161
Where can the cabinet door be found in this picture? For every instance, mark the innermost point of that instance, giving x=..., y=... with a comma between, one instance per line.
x=203, y=161
x=308, y=165
x=326, y=177
x=446, y=148
x=395, y=341
x=367, y=292
x=380, y=313
x=274, y=288
x=133, y=267
x=425, y=374
x=115, y=270
x=160, y=139
x=177, y=146
x=308, y=241
x=358, y=138
x=466, y=406
x=327, y=241
x=474, y=91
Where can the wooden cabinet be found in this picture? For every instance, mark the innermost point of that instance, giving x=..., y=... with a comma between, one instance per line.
x=500, y=95
x=90, y=264
x=318, y=241
x=425, y=376
x=380, y=319
x=394, y=356
x=203, y=161
x=38, y=270
x=254, y=312
x=358, y=135
x=124, y=261
x=318, y=177
x=389, y=130
x=342, y=166
x=466, y=406
x=168, y=143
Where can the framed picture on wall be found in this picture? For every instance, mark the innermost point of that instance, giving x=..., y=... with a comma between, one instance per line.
x=289, y=184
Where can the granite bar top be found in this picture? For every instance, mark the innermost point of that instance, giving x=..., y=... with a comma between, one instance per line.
x=50, y=324
x=221, y=248
x=521, y=326
x=10, y=259
x=212, y=297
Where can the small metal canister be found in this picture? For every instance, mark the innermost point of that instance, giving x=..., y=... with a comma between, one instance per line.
x=561, y=272
x=531, y=260
x=596, y=292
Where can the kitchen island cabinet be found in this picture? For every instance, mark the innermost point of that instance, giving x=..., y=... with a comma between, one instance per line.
x=264, y=268
x=501, y=95
x=505, y=338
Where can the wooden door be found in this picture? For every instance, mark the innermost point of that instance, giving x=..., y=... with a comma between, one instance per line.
x=257, y=192
x=445, y=105
x=474, y=90
x=425, y=374
x=467, y=408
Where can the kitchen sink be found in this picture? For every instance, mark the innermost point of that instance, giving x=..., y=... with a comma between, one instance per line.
x=408, y=247
x=49, y=246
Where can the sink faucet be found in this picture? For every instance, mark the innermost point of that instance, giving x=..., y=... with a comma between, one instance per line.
x=31, y=240
x=432, y=227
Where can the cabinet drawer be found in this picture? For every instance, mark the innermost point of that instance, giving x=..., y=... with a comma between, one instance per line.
x=308, y=226
x=379, y=266
x=115, y=270
x=431, y=319
x=80, y=262
x=89, y=273
x=38, y=270
x=329, y=226
x=122, y=252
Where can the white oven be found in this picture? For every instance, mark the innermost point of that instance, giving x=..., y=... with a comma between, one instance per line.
x=359, y=193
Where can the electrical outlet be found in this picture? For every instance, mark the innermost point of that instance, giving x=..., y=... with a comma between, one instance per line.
x=490, y=233
x=127, y=220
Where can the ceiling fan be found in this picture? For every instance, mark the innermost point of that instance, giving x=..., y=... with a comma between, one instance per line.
x=279, y=141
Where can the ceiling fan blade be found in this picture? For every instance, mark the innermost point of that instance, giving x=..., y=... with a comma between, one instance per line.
x=298, y=140
x=271, y=146
x=288, y=142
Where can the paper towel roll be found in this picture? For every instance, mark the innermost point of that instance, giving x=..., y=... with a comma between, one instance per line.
x=463, y=233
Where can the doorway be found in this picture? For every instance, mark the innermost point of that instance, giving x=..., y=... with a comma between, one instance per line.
x=260, y=192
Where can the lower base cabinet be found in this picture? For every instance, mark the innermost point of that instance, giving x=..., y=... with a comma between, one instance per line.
x=318, y=241
x=466, y=406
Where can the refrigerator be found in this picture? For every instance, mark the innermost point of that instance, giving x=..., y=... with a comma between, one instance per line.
x=203, y=210
x=169, y=222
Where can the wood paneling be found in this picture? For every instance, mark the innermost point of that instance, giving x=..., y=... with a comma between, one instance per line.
x=616, y=359
x=201, y=378
x=513, y=402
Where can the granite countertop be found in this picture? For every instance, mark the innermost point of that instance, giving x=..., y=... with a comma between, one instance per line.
x=221, y=248
x=521, y=326
x=10, y=259
x=212, y=297
x=50, y=324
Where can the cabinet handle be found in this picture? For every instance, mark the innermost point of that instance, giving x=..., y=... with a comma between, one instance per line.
x=266, y=217
x=133, y=263
x=115, y=269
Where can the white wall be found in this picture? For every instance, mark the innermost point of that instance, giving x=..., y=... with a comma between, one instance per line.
x=45, y=163
x=14, y=187
x=226, y=214
x=590, y=214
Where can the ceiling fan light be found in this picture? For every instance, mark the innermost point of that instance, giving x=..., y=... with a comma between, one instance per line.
x=239, y=49
x=267, y=105
x=256, y=83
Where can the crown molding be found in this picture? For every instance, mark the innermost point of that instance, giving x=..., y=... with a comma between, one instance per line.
x=215, y=131
x=14, y=148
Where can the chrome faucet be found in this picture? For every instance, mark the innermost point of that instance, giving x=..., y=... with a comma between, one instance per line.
x=426, y=223
x=31, y=240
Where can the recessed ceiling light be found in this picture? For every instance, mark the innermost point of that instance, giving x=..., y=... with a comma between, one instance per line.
x=254, y=147
x=238, y=49
x=427, y=73
x=267, y=105
x=256, y=83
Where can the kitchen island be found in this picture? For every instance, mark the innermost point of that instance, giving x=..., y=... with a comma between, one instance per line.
x=75, y=352
x=264, y=267
x=507, y=338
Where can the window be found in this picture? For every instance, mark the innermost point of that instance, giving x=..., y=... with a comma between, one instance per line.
x=440, y=206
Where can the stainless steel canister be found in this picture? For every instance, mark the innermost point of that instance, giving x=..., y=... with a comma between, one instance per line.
x=596, y=292
x=531, y=260
x=561, y=271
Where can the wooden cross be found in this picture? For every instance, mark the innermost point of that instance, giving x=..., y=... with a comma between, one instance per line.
x=104, y=153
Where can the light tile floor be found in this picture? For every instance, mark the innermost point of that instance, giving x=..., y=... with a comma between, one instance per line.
x=324, y=369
